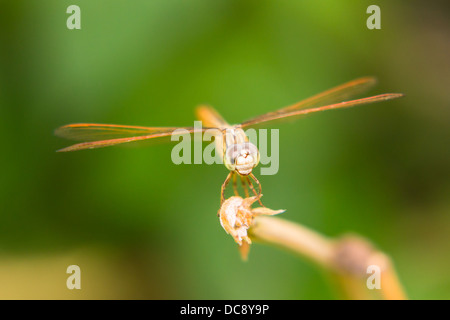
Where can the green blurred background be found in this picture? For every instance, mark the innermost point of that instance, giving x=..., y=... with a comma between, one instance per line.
x=141, y=227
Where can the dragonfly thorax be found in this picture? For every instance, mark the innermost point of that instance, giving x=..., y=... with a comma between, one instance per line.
x=241, y=157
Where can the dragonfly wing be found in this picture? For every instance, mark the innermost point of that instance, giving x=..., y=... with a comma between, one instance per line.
x=210, y=117
x=345, y=104
x=94, y=131
x=104, y=135
x=332, y=96
x=340, y=93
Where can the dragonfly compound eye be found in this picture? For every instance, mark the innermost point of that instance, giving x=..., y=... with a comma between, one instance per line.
x=241, y=158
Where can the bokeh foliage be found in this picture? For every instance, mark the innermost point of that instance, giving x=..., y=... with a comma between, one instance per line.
x=140, y=226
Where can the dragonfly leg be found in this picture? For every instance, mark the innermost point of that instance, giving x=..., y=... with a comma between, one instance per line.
x=244, y=186
x=236, y=193
x=259, y=187
x=250, y=184
x=224, y=185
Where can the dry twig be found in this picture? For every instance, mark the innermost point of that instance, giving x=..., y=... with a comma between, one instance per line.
x=349, y=258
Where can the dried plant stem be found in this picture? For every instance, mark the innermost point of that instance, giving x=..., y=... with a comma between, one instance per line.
x=347, y=257
x=293, y=237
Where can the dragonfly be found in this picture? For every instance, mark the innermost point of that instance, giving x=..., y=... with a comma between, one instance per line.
x=239, y=155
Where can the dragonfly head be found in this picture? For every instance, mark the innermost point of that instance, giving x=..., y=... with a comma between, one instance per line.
x=242, y=158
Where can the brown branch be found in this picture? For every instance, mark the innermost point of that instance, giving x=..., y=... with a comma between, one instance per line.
x=347, y=258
